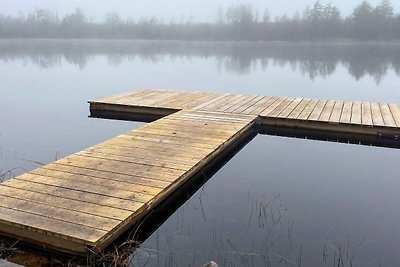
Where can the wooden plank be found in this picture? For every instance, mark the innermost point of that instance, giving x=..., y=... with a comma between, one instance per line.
x=216, y=114
x=196, y=140
x=195, y=102
x=225, y=103
x=317, y=111
x=394, y=108
x=246, y=105
x=65, y=203
x=118, y=167
x=281, y=107
x=192, y=153
x=161, y=101
x=377, y=118
x=387, y=115
x=211, y=117
x=156, y=96
x=336, y=112
x=137, y=100
x=201, y=136
x=152, y=159
x=356, y=114
x=366, y=114
x=327, y=111
x=185, y=127
x=244, y=102
x=75, y=195
x=345, y=117
x=49, y=226
x=285, y=112
x=178, y=102
x=91, y=188
x=214, y=105
x=107, y=175
x=219, y=124
x=299, y=109
x=192, y=122
x=264, y=106
x=59, y=214
x=139, y=167
x=259, y=104
x=170, y=140
x=268, y=109
x=222, y=107
x=164, y=102
x=305, y=114
x=216, y=99
x=218, y=133
x=107, y=184
x=117, y=97
x=147, y=153
x=124, y=158
x=128, y=142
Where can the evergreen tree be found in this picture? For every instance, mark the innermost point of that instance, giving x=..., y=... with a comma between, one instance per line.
x=363, y=20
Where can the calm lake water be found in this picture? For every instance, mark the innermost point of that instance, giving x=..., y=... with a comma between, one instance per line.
x=279, y=201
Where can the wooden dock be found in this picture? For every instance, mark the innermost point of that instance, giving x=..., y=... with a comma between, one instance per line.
x=358, y=118
x=87, y=200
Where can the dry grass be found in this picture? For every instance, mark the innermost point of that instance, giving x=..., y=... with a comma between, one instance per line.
x=7, y=247
x=5, y=175
x=2, y=176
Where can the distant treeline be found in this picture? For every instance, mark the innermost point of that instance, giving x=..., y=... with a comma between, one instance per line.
x=239, y=23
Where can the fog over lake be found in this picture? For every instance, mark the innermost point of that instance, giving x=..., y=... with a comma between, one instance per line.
x=204, y=10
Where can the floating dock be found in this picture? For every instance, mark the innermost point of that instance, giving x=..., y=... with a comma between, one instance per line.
x=335, y=116
x=86, y=200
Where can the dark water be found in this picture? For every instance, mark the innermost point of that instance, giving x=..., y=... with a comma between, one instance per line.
x=280, y=201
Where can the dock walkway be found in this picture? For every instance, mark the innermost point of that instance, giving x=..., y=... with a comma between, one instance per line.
x=338, y=116
x=88, y=199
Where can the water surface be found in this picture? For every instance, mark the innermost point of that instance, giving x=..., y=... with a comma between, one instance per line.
x=280, y=201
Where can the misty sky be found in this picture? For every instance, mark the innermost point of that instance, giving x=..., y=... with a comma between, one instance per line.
x=198, y=10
